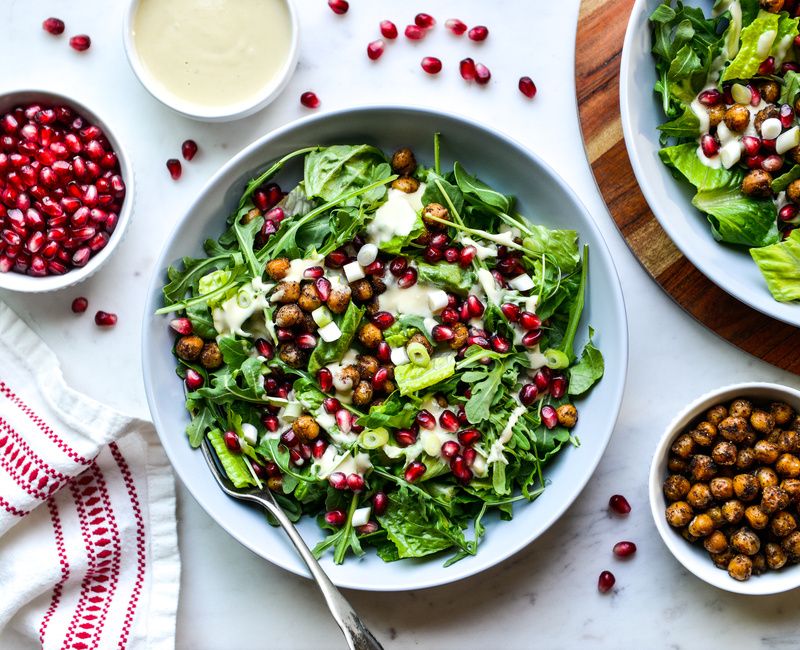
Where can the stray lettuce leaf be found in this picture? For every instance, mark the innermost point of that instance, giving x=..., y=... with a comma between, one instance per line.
x=235, y=465
x=780, y=266
x=745, y=65
x=739, y=219
x=411, y=379
x=202, y=420
x=683, y=158
x=448, y=276
x=782, y=182
x=589, y=369
x=325, y=352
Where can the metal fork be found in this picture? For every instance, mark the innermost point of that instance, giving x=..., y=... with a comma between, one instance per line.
x=355, y=632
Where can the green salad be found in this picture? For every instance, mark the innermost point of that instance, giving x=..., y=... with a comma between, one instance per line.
x=729, y=85
x=387, y=347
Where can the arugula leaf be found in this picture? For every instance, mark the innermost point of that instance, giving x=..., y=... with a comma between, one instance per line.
x=433, y=194
x=398, y=242
x=484, y=392
x=589, y=369
x=450, y=276
x=326, y=352
x=394, y=413
x=472, y=186
x=234, y=465
x=739, y=219
x=559, y=246
x=202, y=322
x=412, y=379
x=685, y=126
x=791, y=87
x=332, y=171
x=780, y=266
x=202, y=420
x=251, y=370
x=307, y=392
x=180, y=282
x=233, y=351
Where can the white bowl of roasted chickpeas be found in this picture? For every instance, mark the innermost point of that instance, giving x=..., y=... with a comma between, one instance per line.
x=725, y=488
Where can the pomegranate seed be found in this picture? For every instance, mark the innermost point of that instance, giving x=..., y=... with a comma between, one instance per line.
x=336, y=259
x=432, y=254
x=709, y=145
x=313, y=272
x=306, y=341
x=397, y=266
x=270, y=422
x=499, y=344
x=606, y=581
x=415, y=471
x=283, y=335
x=174, y=168
x=456, y=26
x=469, y=437
x=532, y=338
x=81, y=42
x=460, y=469
x=466, y=68
x=296, y=457
x=388, y=29
x=624, y=549
x=789, y=66
x=318, y=448
x=527, y=87
x=549, y=416
x=768, y=145
x=335, y=517
x=558, y=386
x=449, y=316
x=442, y=333
x=414, y=32
x=408, y=279
x=380, y=378
x=54, y=26
x=383, y=352
x=787, y=212
x=9, y=124
x=105, y=319
x=383, y=320
x=786, y=116
x=754, y=162
x=338, y=481
x=510, y=311
x=379, y=503
x=309, y=100
x=431, y=65
x=426, y=420
x=344, y=420
x=426, y=21
x=265, y=348
x=476, y=307
x=80, y=305
x=339, y=6
x=755, y=95
x=232, y=441
x=750, y=143
x=289, y=438
x=772, y=163
x=528, y=394
x=188, y=149
x=449, y=449
x=448, y=421
x=355, y=482
x=482, y=341
x=194, y=379
x=451, y=254
x=767, y=66
x=478, y=33
x=405, y=437
x=375, y=49
x=325, y=380
x=181, y=326
x=482, y=74
x=331, y=405
x=462, y=416
x=619, y=504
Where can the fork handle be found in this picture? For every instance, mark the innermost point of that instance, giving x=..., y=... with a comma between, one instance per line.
x=355, y=632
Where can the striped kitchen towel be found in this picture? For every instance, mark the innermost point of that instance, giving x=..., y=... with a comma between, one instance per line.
x=88, y=547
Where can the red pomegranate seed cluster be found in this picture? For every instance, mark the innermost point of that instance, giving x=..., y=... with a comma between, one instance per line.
x=61, y=190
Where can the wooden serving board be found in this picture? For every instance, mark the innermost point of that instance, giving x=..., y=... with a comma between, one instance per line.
x=598, y=51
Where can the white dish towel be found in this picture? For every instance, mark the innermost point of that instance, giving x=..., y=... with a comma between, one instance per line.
x=88, y=548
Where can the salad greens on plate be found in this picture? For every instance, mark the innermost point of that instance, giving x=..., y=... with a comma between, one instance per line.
x=387, y=347
x=729, y=81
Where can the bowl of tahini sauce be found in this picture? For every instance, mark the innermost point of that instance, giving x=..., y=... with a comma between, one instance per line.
x=212, y=60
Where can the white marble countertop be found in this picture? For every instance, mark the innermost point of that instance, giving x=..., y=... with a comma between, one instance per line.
x=546, y=596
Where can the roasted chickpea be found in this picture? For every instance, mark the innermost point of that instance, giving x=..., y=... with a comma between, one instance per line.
x=407, y=184
x=211, y=357
x=309, y=297
x=347, y=378
x=716, y=414
x=688, y=536
x=737, y=117
x=762, y=421
x=252, y=214
x=422, y=340
x=683, y=446
x=701, y=525
x=721, y=560
x=367, y=365
x=275, y=483
x=362, y=393
x=716, y=542
x=792, y=487
x=765, y=114
x=745, y=541
x=437, y=211
x=745, y=486
x=371, y=308
x=699, y=496
x=757, y=183
x=286, y=291
x=704, y=434
x=775, y=556
x=288, y=316
x=679, y=514
x=189, y=347
x=733, y=511
x=702, y=468
x=724, y=453
x=793, y=191
x=791, y=544
x=567, y=415
x=794, y=153
x=756, y=517
x=766, y=476
x=788, y=441
x=783, y=523
x=378, y=285
x=773, y=6
x=759, y=564
x=745, y=458
x=733, y=428
x=788, y=465
x=292, y=355
x=721, y=488
x=740, y=568
x=677, y=465
x=741, y=408
x=781, y=412
x=460, y=336
x=361, y=291
x=306, y=428
x=774, y=498
x=404, y=162
x=278, y=268
x=370, y=335
x=339, y=300
x=307, y=325
x=770, y=91
x=716, y=516
x=715, y=115
x=676, y=487
x=766, y=452
x=388, y=387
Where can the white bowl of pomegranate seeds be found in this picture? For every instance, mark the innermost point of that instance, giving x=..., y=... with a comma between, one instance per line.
x=65, y=191
x=698, y=461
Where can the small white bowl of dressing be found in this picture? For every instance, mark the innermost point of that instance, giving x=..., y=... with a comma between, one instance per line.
x=216, y=60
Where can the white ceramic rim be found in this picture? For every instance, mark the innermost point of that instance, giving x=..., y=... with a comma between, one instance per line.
x=458, y=573
x=741, y=290
x=28, y=284
x=220, y=113
x=685, y=553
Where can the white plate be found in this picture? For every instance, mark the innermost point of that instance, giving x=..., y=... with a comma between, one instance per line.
x=503, y=164
x=730, y=268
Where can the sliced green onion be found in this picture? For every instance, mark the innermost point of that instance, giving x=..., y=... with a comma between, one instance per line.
x=322, y=316
x=244, y=298
x=373, y=438
x=418, y=354
x=556, y=358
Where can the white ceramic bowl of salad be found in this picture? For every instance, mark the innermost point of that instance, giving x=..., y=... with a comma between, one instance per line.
x=504, y=165
x=670, y=199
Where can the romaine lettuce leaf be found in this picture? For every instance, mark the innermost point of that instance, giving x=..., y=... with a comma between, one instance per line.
x=685, y=126
x=787, y=30
x=412, y=379
x=448, y=276
x=738, y=219
x=745, y=65
x=393, y=413
x=780, y=266
x=235, y=465
x=684, y=159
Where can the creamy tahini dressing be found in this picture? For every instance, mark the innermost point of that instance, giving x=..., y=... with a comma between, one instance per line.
x=232, y=314
x=395, y=217
x=212, y=52
x=412, y=300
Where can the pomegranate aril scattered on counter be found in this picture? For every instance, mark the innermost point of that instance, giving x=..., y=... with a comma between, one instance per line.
x=175, y=169
x=414, y=32
x=188, y=149
x=426, y=21
x=375, y=49
x=388, y=29
x=309, y=100
x=478, y=33
x=431, y=65
x=456, y=26
x=339, y=6
x=54, y=26
x=619, y=504
x=624, y=549
x=482, y=74
x=80, y=305
x=527, y=87
x=467, y=69
x=81, y=42
x=105, y=319
x=606, y=582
